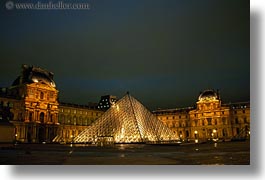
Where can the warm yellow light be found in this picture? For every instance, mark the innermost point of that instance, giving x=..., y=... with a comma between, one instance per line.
x=16, y=135
x=196, y=132
x=196, y=140
x=214, y=131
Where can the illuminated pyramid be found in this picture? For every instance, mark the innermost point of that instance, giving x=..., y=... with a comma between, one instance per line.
x=127, y=121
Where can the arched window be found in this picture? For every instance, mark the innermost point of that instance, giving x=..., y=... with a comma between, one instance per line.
x=73, y=120
x=79, y=122
x=51, y=117
x=61, y=119
x=41, y=95
x=68, y=120
x=84, y=121
x=30, y=116
x=42, y=117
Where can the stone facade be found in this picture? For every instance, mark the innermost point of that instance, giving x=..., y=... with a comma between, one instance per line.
x=33, y=99
x=38, y=116
x=35, y=111
x=73, y=119
x=209, y=120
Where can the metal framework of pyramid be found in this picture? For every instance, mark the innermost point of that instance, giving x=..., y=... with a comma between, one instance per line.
x=126, y=121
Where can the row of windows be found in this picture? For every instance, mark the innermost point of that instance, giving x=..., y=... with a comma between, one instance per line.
x=240, y=121
x=74, y=111
x=6, y=104
x=104, y=106
x=215, y=113
x=174, y=117
x=186, y=116
x=243, y=111
x=41, y=94
x=41, y=117
x=75, y=120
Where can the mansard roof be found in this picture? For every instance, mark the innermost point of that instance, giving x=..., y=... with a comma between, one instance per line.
x=31, y=74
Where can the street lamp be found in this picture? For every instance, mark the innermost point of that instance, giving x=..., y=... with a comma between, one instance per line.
x=196, y=132
x=213, y=135
x=214, y=131
x=72, y=138
x=15, y=138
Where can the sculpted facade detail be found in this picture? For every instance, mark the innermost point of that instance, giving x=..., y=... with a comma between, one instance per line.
x=209, y=119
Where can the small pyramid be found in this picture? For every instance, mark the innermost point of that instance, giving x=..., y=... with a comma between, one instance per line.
x=127, y=121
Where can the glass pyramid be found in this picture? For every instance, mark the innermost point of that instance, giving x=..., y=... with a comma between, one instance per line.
x=126, y=121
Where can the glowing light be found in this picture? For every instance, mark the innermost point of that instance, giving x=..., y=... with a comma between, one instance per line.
x=126, y=122
x=196, y=132
x=35, y=80
x=196, y=140
x=16, y=135
x=214, y=131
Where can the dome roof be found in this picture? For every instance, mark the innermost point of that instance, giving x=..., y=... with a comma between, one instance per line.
x=33, y=74
x=208, y=95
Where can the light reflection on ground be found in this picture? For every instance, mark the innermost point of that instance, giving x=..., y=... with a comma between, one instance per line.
x=195, y=154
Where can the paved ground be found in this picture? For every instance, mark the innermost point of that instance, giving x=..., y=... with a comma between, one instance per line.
x=128, y=154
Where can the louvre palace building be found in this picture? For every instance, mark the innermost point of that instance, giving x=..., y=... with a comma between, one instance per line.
x=32, y=106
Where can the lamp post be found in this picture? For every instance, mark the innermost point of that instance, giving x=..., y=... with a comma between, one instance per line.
x=72, y=138
x=214, y=135
x=180, y=137
x=195, y=134
x=15, y=138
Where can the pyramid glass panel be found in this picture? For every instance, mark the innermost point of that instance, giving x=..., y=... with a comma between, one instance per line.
x=127, y=121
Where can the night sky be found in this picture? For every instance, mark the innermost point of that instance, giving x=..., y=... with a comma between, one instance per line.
x=164, y=52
